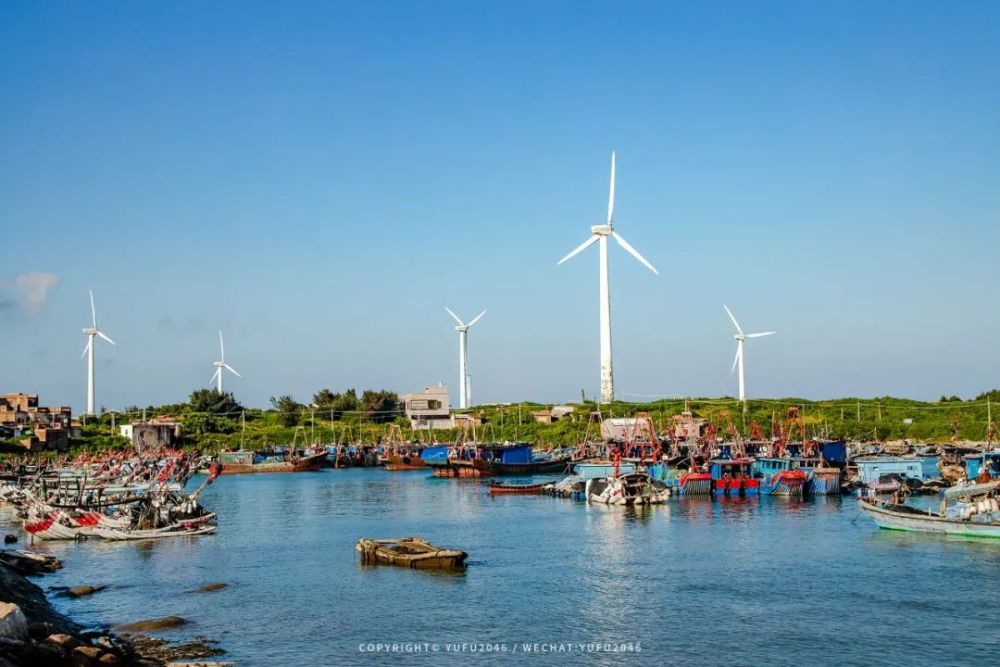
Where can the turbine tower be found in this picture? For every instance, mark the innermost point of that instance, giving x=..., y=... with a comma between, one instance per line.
x=221, y=364
x=738, y=360
x=88, y=352
x=600, y=234
x=464, y=385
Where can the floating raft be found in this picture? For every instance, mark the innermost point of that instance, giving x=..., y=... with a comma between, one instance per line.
x=411, y=552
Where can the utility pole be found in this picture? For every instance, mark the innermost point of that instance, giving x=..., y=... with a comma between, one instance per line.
x=859, y=410
x=879, y=417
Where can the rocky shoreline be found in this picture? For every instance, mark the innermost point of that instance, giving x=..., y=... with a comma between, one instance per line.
x=33, y=633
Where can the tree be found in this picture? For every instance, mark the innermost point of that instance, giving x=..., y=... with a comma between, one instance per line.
x=380, y=406
x=288, y=410
x=337, y=404
x=200, y=424
x=212, y=402
x=323, y=398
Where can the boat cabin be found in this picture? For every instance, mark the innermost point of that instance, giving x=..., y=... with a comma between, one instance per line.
x=734, y=477
x=870, y=469
x=974, y=464
x=513, y=453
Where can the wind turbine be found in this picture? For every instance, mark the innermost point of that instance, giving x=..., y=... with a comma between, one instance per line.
x=600, y=236
x=464, y=384
x=740, y=337
x=221, y=364
x=88, y=352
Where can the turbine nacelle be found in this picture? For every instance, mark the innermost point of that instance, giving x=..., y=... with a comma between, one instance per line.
x=602, y=230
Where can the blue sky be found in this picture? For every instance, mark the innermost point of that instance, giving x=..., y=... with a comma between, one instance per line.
x=319, y=179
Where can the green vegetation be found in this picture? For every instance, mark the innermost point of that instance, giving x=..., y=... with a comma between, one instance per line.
x=211, y=422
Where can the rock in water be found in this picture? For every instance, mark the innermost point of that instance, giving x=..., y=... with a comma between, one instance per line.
x=81, y=591
x=13, y=624
x=152, y=625
x=211, y=588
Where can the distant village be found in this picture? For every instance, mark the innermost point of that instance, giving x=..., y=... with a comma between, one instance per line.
x=40, y=428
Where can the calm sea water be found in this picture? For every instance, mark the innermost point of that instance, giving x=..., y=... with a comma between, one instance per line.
x=769, y=581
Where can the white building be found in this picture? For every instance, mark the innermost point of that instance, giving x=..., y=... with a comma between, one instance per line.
x=428, y=409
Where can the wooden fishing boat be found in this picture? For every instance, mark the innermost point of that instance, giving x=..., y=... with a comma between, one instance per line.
x=153, y=534
x=278, y=461
x=538, y=467
x=904, y=517
x=519, y=459
x=404, y=461
x=185, y=528
x=501, y=488
x=411, y=552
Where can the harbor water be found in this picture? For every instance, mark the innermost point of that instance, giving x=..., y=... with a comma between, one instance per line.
x=769, y=581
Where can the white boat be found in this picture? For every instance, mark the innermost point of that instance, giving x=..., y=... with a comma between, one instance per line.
x=981, y=522
x=636, y=488
x=186, y=528
x=155, y=534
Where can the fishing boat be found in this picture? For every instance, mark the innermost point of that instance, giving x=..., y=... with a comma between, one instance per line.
x=601, y=469
x=976, y=516
x=982, y=465
x=403, y=459
x=400, y=454
x=519, y=459
x=779, y=477
x=636, y=488
x=196, y=526
x=412, y=552
x=733, y=478
x=822, y=479
x=277, y=460
x=496, y=488
x=695, y=482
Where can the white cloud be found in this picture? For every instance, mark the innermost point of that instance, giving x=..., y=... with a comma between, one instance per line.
x=34, y=288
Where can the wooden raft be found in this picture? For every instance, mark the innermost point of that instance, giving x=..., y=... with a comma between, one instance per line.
x=412, y=552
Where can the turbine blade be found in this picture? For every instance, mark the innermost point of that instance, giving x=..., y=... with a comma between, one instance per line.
x=632, y=251
x=476, y=318
x=736, y=359
x=101, y=334
x=215, y=375
x=759, y=335
x=457, y=318
x=93, y=311
x=222, y=348
x=86, y=348
x=611, y=193
x=231, y=370
x=580, y=248
x=733, y=318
